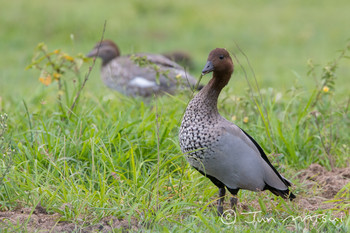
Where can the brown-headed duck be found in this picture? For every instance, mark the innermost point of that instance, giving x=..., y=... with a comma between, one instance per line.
x=219, y=149
x=141, y=74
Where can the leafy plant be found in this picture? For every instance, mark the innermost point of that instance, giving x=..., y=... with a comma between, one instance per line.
x=58, y=66
x=325, y=110
x=325, y=81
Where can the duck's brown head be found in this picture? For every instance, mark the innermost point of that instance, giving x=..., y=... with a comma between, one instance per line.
x=220, y=63
x=106, y=50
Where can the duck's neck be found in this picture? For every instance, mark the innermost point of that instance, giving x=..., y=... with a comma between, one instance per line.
x=210, y=93
x=107, y=58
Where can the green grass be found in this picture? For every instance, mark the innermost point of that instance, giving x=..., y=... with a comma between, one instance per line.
x=104, y=160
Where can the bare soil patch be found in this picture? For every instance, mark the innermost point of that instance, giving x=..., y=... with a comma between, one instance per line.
x=41, y=221
x=321, y=185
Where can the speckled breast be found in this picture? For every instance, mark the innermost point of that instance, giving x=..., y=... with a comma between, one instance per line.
x=197, y=136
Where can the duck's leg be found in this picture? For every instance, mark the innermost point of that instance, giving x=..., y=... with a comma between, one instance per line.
x=234, y=199
x=222, y=191
x=221, y=200
x=233, y=202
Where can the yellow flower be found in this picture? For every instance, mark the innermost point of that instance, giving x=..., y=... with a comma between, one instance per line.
x=234, y=118
x=68, y=58
x=325, y=89
x=245, y=120
x=61, y=93
x=46, y=80
x=56, y=76
x=56, y=51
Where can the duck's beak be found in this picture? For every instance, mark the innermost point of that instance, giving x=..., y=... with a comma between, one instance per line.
x=92, y=53
x=209, y=67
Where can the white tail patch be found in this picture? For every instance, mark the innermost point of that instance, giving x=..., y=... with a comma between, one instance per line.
x=142, y=83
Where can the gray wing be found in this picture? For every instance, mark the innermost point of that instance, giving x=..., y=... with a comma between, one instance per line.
x=170, y=70
x=160, y=60
x=238, y=163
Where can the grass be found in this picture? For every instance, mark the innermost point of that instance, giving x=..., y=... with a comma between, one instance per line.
x=104, y=160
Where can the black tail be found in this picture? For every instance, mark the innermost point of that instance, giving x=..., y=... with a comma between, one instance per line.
x=286, y=194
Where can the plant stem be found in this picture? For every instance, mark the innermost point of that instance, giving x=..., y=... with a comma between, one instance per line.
x=60, y=99
x=29, y=123
x=266, y=119
x=158, y=154
x=87, y=75
x=326, y=148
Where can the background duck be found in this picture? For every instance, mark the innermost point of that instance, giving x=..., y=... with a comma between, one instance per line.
x=140, y=74
x=181, y=57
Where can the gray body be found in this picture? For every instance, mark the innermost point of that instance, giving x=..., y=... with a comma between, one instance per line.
x=222, y=150
x=126, y=76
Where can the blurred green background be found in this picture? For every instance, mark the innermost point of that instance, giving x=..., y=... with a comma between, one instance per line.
x=277, y=36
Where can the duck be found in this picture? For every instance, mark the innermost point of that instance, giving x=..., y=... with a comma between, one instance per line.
x=140, y=74
x=181, y=57
x=219, y=149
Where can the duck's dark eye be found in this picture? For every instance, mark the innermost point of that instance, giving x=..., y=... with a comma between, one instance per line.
x=221, y=57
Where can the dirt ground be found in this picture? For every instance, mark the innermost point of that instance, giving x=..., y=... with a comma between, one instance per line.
x=41, y=221
x=319, y=186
